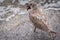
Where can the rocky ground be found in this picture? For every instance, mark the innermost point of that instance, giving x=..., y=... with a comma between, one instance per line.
x=24, y=31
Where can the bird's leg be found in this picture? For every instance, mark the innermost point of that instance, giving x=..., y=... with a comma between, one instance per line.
x=35, y=29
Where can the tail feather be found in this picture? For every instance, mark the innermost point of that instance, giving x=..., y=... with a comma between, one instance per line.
x=53, y=34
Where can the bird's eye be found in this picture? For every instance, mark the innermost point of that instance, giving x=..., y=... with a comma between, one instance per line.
x=30, y=4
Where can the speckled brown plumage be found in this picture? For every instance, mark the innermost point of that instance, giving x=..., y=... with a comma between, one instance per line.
x=37, y=19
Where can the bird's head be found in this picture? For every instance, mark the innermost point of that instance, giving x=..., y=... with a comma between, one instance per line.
x=30, y=6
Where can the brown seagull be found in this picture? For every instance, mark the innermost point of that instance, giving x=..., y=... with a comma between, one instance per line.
x=39, y=19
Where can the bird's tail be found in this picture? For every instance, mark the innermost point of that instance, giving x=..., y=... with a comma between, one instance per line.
x=53, y=34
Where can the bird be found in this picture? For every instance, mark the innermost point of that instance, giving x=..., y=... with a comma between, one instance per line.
x=38, y=19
